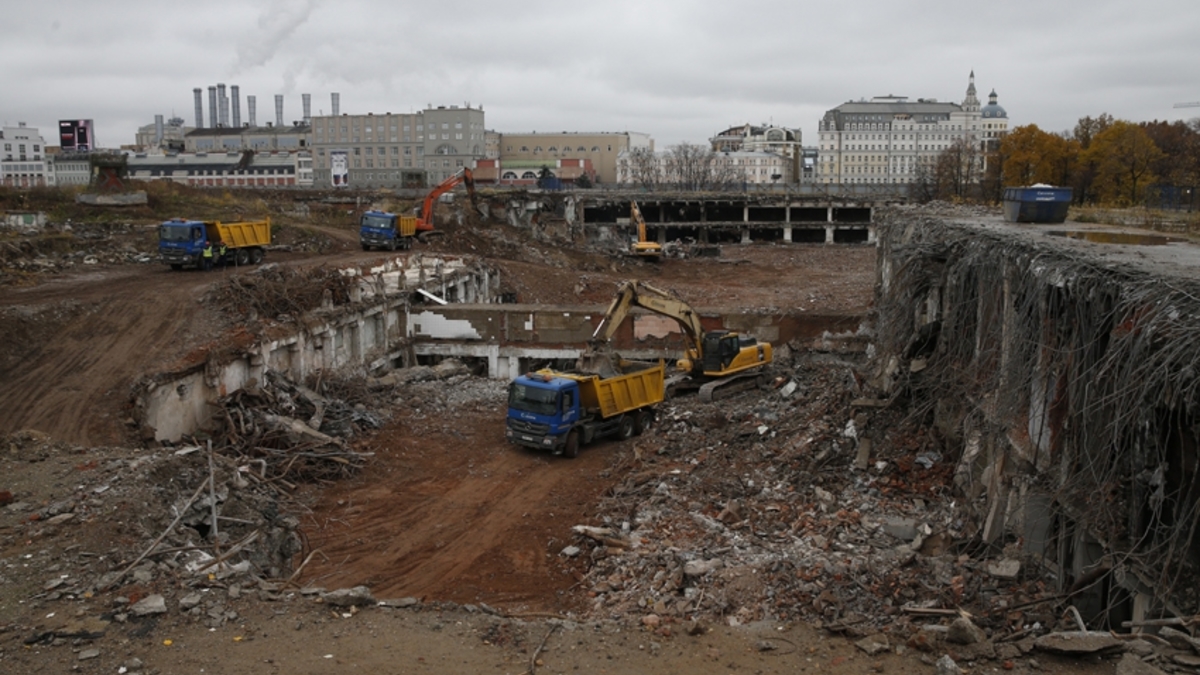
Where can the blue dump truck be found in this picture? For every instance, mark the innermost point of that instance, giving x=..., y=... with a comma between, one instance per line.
x=181, y=242
x=1037, y=204
x=380, y=229
x=561, y=411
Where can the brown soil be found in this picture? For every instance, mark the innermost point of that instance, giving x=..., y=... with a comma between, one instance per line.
x=446, y=511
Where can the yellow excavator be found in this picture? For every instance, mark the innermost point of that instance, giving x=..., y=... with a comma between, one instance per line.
x=643, y=248
x=716, y=363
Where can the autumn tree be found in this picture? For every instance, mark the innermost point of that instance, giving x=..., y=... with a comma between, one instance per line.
x=1179, y=142
x=1031, y=156
x=1085, y=130
x=1123, y=157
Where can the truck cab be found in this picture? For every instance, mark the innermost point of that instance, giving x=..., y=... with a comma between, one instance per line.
x=542, y=411
x=180, y=242
x=381, y=229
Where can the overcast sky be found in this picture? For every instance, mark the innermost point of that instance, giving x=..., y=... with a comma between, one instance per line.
x=679, y=70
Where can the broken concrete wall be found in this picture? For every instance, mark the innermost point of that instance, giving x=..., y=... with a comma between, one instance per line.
x=371, y=332
x=1068, y=384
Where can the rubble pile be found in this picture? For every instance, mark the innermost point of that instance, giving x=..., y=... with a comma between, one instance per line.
x=282, y=293
x=142, y=525
x=56, y=248
x=779, y=506
x=288, y=433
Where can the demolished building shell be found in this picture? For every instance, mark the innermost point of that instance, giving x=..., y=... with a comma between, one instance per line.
x=1066, y=371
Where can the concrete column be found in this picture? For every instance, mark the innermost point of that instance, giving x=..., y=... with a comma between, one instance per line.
x=829, y=235
x=746, y=235
x=829, y=214
x=787, y=234
x=746, y=213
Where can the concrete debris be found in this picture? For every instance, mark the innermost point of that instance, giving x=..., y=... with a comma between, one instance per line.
x=1132, y=665
x=963, y=632
x=151, y=604
x=359, y=596
x=1179, y=639
x=874, y=644
x=1004, y=569
x=1078, y=643
x=946, y=666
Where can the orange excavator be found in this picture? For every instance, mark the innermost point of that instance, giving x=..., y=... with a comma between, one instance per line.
x=425, y=215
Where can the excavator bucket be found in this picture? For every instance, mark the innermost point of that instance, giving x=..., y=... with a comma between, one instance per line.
x=598, y=361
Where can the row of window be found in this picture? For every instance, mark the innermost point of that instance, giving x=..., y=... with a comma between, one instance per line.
x=554, y=148
x=347, y=138
x=21, y=147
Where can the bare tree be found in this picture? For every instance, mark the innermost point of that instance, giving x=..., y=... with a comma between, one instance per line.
x=957, y=170
x=698, y=167
x=643, y=168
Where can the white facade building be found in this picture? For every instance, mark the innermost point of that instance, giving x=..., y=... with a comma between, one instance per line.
x=71, y=168
x=23, y=158
x=887, y=139
x=763, y=138
x=746, y=168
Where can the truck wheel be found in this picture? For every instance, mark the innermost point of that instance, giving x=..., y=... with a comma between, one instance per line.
x=571, y=448
x=256, y=255
x=643, y=421
x=625, y=428
x=241, y=257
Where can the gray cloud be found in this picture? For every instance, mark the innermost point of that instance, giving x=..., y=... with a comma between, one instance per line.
x=680, y=70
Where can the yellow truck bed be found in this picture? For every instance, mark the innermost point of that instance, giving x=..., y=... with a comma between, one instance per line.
x=406, y=226
x=620, y=393
x=241, y=234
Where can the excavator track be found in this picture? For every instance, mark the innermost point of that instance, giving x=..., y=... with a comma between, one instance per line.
x=725, y=386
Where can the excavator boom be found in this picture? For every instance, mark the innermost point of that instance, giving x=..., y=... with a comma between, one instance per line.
x=719, y=361
x=464, y=175
x=643, y=248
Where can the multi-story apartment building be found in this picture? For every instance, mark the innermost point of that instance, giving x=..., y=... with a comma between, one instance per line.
x=246, y=169
x=23, y=160
x=763, y=138
x=888, y=139
x=397, y=150
x=600, y=148
x=259, y=139
x=71, y=168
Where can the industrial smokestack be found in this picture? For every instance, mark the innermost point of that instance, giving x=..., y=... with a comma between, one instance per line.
x=222, y=105
x=212, y=105
x=306, y=100
x=237, y=106
x=250, y=106
x=336, y=102
x=158, y=131
x=198, y=94
x=278, y=110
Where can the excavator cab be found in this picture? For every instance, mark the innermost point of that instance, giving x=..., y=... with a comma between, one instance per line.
x=725, y=352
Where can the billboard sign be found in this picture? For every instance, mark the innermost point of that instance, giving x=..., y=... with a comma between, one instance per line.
x=76, y=135
x=339, y=168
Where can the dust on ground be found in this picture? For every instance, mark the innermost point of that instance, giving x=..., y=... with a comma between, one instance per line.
x=468, y=541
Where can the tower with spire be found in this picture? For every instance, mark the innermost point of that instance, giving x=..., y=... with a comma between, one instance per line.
x=970, y=104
